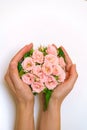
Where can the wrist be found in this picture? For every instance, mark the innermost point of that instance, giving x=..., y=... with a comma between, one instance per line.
x=25, y=107
x=24, y=116
x=52, y=114
x=54, y=104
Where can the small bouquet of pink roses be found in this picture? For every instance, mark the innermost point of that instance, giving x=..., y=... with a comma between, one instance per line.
x=43, y=70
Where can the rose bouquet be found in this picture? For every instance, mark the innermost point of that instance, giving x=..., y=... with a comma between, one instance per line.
x=43, y=70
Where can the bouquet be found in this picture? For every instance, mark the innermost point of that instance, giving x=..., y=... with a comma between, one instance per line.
x=43, y=69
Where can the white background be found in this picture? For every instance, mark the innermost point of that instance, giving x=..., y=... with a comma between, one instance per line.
x=63, y=22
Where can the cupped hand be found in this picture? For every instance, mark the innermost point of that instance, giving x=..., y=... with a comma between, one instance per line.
x=63, y=89
x=21, y=91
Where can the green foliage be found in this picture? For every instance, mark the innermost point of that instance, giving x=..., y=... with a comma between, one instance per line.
x=56, y=77
x=34, y=93
x=47, y=94
x=43, y=50
x=20, y=69
x=28, y=54
x=21, y=73
x=61, y=53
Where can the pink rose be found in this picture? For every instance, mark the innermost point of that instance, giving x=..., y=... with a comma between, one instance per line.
x=37, y=87
x=28, y=64
x=51, y=82
x=62, y=62
x=28, y=78
x=51, y=59
x=42, y=77
x=62, y=76
x=57, y=70
x=51, y=50
x=47, y=68
x=37, y=69
x=38, y=56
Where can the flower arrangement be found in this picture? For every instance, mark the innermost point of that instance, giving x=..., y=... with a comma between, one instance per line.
x=43, y=70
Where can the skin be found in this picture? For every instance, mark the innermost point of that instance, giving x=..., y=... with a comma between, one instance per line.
x=21, y=92
x=24, y=99
x=50, y=119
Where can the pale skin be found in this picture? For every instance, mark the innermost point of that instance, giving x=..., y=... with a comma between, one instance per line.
x=50, y=119
x=24, y=99
x=22, y=94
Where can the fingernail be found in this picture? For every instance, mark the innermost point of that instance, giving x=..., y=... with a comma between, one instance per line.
x=30, y=44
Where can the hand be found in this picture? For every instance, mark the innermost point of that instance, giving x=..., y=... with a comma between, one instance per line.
x=21, y=91
x=63, y=89
x=50, y=119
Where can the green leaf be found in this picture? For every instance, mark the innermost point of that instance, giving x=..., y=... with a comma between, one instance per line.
x=45, y=90
x=28, y=54
x=61, y=53
x=20, y=69
x=34, y=93
x=43, y=50
x=47, y=95
x=21, y=73
x=56, y=77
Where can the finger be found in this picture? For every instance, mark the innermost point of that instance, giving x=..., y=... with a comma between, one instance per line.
x=73, y=74
x=67, y=58
x=21, y=53
x=14, y=62
x=69, y=83
x=17, y=82
x=54, y=46
x=9, y=82
x=67, y=75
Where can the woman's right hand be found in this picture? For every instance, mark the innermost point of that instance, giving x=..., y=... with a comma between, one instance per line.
x=21, y=91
